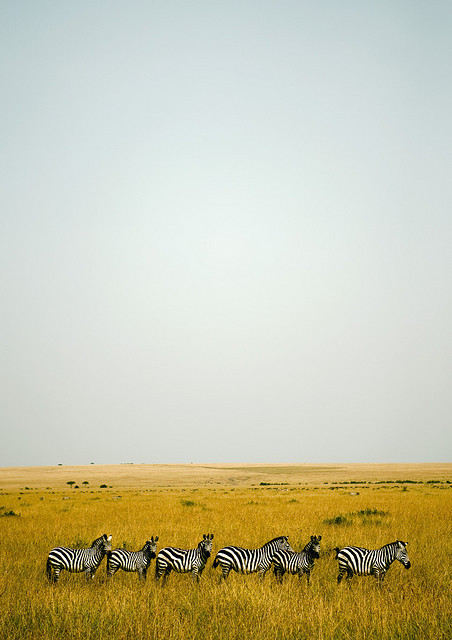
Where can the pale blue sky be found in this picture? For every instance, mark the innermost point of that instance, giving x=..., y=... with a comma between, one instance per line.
x=225, y=231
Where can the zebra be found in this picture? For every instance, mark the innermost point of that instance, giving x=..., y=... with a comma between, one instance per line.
x=250, y=560
x=138, y=561
x=184, y=560
x=300, y=563
x=76, y=560
x=364, y=562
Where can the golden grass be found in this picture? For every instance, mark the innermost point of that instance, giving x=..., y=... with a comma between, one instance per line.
x=150, y=475
x=180, y=505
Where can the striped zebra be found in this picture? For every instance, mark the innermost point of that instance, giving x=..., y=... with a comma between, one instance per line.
x=365, y=562
x=184, y=560
x=250, y=560
x=137, y=561
x=76, y=560
x=297, y=563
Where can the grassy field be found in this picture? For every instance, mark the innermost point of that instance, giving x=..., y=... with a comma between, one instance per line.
x=367, y=505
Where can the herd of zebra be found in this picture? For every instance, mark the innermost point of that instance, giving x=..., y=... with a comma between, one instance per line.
x=277, y=553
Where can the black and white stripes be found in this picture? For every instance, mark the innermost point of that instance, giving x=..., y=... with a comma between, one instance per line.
x=137, y=561
x=363, y=562
x=297, y=563
x=250, y=560
x=76, y=560
x=352, y=560
x=184, y=560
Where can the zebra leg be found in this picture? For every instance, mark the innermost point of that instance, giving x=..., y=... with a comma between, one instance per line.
x=349, y=576
x=165, y=575
x=379, y=576
x=49, y=571
x=341, y=575
x=279, y=573
x=308, y=576
x=56, y=574
x=160, y=568
x=225, y=569
x=89, y=573
x=111, y=571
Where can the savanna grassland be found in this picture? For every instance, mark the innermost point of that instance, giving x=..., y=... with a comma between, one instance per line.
x=247, y=505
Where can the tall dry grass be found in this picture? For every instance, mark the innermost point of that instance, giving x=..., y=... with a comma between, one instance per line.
x=410, y=604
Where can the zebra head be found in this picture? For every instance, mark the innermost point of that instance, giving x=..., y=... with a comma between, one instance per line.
x=205, y=546
x=103, y=543
x=106, y=546
x=313, y=546
x=283, y=543
x=401, y=554
x=151, y=546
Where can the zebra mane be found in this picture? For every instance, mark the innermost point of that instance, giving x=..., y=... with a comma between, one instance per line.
x=390, y=544
x=277, y=539
x=393, y=544
x=98, y=541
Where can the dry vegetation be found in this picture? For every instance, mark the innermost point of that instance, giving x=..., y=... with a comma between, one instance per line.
x=368, y=505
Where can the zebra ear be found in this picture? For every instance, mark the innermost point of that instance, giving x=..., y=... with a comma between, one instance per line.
x=211, y=536
x=319, y=538
x=204, y=537
x=109, y=538
x=156, y=538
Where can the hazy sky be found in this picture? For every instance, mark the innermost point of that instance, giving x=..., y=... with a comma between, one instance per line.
x=226, y=231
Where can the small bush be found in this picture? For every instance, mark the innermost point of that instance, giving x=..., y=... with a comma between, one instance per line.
x=339, y=520
x=10, y=513
x=273, y=484
x=367, y=517
x=370, y=512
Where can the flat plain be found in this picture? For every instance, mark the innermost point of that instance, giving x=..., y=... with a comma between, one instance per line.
x=246, y=505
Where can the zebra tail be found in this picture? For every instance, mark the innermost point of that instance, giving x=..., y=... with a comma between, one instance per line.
x=216, y=562
x=49, y=569
x=108, y=559
x=336, y=550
